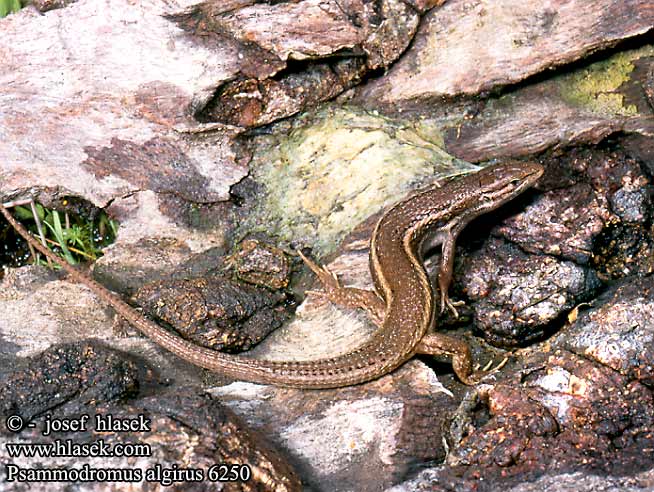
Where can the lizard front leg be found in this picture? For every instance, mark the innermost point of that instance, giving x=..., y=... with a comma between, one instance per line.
x=351, y=297
x=448, y=242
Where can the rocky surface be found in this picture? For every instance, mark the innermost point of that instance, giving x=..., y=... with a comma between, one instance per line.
x=260, y=263
x=561, y=414
x=214, y=311
x=473, y=47
x=315, y=49
x=518, y=297
x=361, y=437
x=617, y=330
x=599, y=99
x=183, y=439
x=147, y=133
x=335, y=167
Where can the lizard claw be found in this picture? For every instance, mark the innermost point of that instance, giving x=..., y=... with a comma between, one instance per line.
x=349, y=297
x=479, y=374
x=451, y=305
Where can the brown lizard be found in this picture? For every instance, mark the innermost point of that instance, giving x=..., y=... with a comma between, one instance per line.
x=402, y=302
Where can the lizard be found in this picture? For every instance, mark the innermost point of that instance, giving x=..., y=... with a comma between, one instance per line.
x=402, y=303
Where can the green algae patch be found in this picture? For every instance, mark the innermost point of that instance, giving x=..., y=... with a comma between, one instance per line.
x=596, y=87
x=338, y=166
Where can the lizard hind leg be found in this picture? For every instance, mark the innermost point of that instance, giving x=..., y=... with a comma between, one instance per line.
x=351, y=297
x=440, y=344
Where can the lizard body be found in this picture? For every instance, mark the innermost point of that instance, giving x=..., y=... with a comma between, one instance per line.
x=402, y=303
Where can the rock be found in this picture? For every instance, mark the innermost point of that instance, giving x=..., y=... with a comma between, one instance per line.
x=260, y=263
x=64, y=378
x=334, y=168
x=575, y=107
x=106, y=120
x=562, y=415
x=126, y=267
x=560, y=247
x=472, y=47
x=563, y=223
x=518, y=297
x=585, y=481
x=40, y=310
x=214, y=311
x=357, y=438
x=318, y=48
x=583, y=104
x=181, y=439
x=618, y=330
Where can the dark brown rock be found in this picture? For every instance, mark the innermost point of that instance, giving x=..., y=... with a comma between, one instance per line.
x=69, y=374
x=567, y=414
x=624, y=249
x=213, y=311
x=250, y=102
x=598, y=212
x=174, y=439
x=312, y=51
x=260, y=263
x=597, y=215
x=562, y=223
x=516, y=296
x=424, y=5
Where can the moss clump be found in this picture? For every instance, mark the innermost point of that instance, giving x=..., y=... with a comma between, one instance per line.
x=9, y=7
x=75, y=237
x=596, y=87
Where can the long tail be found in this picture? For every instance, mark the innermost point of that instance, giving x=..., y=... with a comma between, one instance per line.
x=301, y=374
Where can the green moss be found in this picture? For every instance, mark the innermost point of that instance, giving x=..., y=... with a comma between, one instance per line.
x=9, y=6
x=75, y=237
x=338, y=166
x=596, y=87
